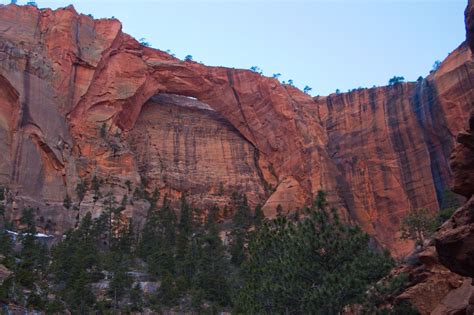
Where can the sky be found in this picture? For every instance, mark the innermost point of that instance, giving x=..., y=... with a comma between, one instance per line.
x=325, y=44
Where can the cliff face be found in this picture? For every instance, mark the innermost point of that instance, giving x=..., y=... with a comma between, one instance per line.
x=455, y=240
x=183, y=145
x=391, y=144
x=80, y=98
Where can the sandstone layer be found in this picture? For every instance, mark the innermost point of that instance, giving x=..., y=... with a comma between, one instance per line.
x=80, y=98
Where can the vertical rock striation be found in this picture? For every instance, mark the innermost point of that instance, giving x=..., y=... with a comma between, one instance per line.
x=81, y=98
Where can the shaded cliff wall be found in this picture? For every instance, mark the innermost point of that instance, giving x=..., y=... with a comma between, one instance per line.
x=392, y=144
x=182, y=145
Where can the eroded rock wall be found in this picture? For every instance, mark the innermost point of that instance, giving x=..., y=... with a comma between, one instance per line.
x=81, y=98
x=392, y=144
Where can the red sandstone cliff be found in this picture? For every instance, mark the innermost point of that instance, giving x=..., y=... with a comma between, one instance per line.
x=208, y=131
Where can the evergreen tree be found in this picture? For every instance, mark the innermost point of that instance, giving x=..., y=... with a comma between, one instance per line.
x=81, y=189
x=418, y=225
x=317, y=265
x=158, y=239
x=240, y=224
x=95, y=185
x=121, y=283
x=242, y=216
x=167, y=293
x=33, y=254
x=74, y=261
x=67, y=202
x=136, y=299
x=259, y=216
x=213, y=269
x=449, y=204
x=185, y=267
x=279, y=211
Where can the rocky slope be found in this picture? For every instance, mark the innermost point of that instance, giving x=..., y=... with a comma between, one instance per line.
x=80, y=98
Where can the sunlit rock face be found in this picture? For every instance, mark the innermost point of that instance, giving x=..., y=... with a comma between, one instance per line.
x=80, y=98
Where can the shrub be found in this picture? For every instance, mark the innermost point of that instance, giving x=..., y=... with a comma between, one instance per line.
x=396, y=80
x=144, y=42
x=256, y=69
x=418, y=225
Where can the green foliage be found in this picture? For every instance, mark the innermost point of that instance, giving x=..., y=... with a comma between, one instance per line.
x=144, y=42
x=212, y=269
x=136, y=299
x=396, y=80
x=307, y=89
x=67, y=203
x=436, y=65
x=241, y=222
x=381, y=292
x=95, y=185
x=121, y=283
x=128, y=183
x=449, y=204
x=74, y=261
x=103, y=131
x=158, y=239
x=259, y=216
x=33, y=254
x=55, y=307
x=313, y=264
x=317, y=265
x=242, y=217
x=188, y=58
x=256, y=69
x=418, y=225
x=81, y=189
x=279, y=211
x=405, y=308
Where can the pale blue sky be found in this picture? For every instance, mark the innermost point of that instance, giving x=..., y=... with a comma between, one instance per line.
x=323, y=44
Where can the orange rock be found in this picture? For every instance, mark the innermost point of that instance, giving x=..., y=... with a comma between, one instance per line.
x=187, y=127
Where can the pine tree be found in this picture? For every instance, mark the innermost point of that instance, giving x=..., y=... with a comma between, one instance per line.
x=136, y=299
x=167, y=293
x=316, y=265
x=183, y=243
x=33, y=254
x=213, y=269
x=67, y=202
x=74, y=261
x=242, y=216
x=95, y=185
x=450, y=202
x=158, y=241
x=240, y=225
x=279, y=211
x=418, y=225
x=259, y=216
x=81, y=189
x=120, y=284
